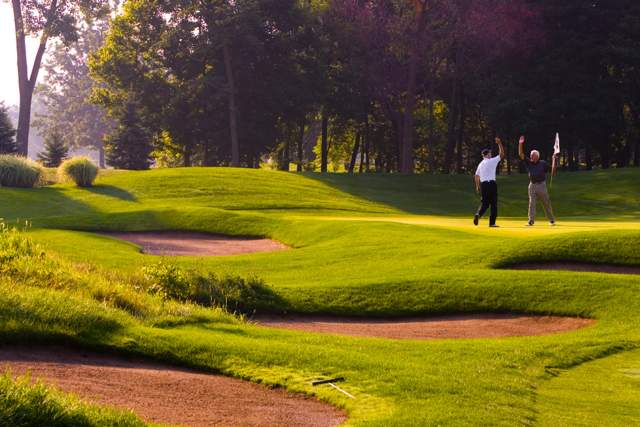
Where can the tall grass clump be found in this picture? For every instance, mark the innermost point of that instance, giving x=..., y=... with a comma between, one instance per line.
x=233, y=294
x=27, y=404
x=80, y=170
x=19, y=172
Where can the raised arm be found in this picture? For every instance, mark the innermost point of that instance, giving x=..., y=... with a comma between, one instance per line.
x=501, y=147
x=521, y=148
x=554, y=165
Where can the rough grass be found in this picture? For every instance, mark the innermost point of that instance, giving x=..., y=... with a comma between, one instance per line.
x=360, y=249
x=24, y=403
x=80, y=170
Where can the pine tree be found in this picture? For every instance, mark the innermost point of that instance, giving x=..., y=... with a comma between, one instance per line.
x=129, y=147
x=55, y=150
x=7, y=133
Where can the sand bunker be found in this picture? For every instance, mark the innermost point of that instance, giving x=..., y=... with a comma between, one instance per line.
x=579, y=267
x=176, y=243
x=455, y=327
x=164, y=394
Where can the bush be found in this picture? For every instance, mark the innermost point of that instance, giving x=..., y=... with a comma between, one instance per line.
x=168, y=281
x=19, y=172
x=80, y=170
x=55, y=150
x=7, y=132
x=232, y=293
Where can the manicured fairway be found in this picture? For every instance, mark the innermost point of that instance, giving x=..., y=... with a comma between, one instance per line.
x=383, y=246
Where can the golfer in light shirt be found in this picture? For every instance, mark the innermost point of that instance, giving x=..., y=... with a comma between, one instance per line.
x=486, y=185
x=538, y=170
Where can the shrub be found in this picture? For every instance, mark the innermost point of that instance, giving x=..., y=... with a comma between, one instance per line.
x=130, y=145
x=14, y=245
x=80, y=170
x=168, y=281
x=7, y=132
x=55, y=150
x=19, y=172
x=232, y=293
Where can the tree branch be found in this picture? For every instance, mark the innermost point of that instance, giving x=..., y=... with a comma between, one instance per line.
x=43, y=44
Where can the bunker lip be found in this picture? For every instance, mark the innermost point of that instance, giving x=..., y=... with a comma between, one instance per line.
x=184, y=243
x=442, y=327
x=580, y=267
x=163, y=394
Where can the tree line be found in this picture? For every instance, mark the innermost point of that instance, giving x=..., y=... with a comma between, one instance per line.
x=387, y=85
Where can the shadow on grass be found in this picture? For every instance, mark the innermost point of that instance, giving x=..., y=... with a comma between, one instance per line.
x=39, y=203
x=112, y=191
x=418, y=194
x=571, y=193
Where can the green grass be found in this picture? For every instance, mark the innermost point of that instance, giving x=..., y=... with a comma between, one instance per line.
x=25, y=404
x=365, y=245
x=604, y=392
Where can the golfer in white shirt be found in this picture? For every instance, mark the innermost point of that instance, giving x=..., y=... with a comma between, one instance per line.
x=486, y=185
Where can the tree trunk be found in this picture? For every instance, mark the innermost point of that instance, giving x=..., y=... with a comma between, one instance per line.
x=300, y=146
x=101, y=156
x=406, y=165
x=251, y=158
x=324, y=155
x=26, y=83
x=286, y=159
x=186, y=156
x=354, y=154
x=431, y=131
x=460, y=140
x=233, y=111
x=209, y=154
x=508, y=157
x=451, y=132
x=367, y=145
x=605, y=156
x=363, y=144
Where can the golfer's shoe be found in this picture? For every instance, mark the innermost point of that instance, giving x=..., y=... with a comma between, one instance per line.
x=494, y=226
x=530, y=224
x=552, y=223
x=476, y=219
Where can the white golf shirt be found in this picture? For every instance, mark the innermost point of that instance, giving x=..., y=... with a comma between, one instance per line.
x=487, y=169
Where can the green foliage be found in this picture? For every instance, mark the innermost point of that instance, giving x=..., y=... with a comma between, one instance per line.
x=279, y=83
x=14, y=245
x=27, y=404
x=7, y=132
x=67, y=100
x=129, y=146
x=19, y=172
x=168, y=281
x=232, y=293
x=80, y=170
x=55, y=150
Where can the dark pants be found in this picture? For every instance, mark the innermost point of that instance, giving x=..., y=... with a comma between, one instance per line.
x=489, y=198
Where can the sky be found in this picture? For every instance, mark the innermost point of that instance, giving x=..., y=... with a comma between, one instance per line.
x=8, y=68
